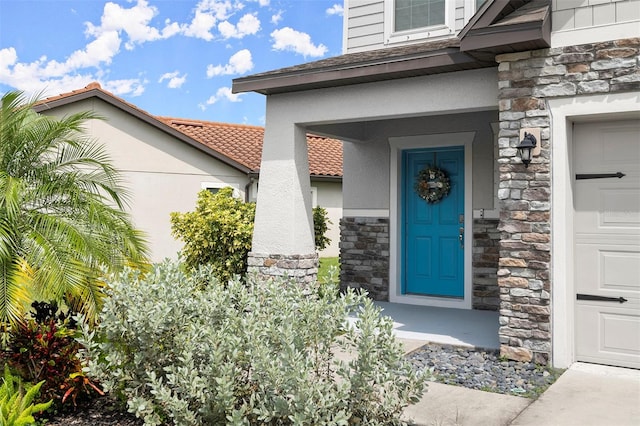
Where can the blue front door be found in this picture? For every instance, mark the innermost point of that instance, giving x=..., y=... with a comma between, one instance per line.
x=433, y=233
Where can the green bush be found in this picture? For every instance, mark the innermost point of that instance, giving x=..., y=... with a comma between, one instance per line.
x=219, y=232
x=321, y=224
x=16, y=406
x=247, y=353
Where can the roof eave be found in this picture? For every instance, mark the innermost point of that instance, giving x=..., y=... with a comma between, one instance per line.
x=77, y=97
x=435, y=62
x=326, y=178
x=508, y=38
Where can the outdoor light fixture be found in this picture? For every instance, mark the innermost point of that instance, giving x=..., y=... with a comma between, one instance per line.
x=526, y=147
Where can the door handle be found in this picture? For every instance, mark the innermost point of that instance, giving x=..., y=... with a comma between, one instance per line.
x=461, y=237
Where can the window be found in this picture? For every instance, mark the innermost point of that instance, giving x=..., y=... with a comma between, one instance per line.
x=408, y=20
x=411, y=14
x=214, y=187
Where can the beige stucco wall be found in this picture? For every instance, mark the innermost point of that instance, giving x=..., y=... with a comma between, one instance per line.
x=163, y=174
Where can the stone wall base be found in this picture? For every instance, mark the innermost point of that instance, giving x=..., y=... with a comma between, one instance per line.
x=300, y=267
x=486, y=253
x=364, y=255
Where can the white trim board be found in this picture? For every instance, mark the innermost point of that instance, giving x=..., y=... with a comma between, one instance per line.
x=397, y=145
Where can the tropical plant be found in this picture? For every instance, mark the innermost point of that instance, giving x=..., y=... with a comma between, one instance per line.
x=44, y=349
x=62, y=217
x=16, y=406
x=185, y=350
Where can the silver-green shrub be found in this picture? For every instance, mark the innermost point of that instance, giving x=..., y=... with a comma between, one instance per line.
x=186, y=350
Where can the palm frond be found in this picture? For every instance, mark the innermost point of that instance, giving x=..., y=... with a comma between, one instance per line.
x=61, y=209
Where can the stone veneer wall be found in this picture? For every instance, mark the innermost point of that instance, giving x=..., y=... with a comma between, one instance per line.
x=302, y=268
x=364, y=258
x=526, y=80
x=364, y=255
x=486, y=252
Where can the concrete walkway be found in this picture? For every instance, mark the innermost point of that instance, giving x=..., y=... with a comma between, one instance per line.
x=586, y=394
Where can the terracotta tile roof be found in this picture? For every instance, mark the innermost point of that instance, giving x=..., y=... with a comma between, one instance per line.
x=244, y=144
x=236, y=144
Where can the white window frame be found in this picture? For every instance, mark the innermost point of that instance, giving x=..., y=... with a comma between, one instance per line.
x=220, y=185
x=436, y=31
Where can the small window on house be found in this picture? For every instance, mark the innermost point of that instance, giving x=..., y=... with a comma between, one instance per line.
x=412, y=20
x=215, y=187
x=411, y=14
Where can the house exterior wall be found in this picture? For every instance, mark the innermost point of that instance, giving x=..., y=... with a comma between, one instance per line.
x=365, y=27
x=162, y=174
x=528, y=81
x=577, y=22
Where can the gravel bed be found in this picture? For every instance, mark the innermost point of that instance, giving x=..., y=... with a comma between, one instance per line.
x=483, y=370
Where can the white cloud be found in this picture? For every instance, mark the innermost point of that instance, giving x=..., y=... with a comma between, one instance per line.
x=175, y=79
x=239, y=63
x=200, y=26
x=133, y=87
x=336, y=9
x=134, y=22
x=222, y=93
x=249, y=24
x=275, y=19
x=288, y=39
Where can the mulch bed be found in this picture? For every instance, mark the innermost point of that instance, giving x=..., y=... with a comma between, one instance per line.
x=101, y=411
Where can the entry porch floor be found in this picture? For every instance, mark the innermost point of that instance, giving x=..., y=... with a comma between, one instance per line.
x=459, y=327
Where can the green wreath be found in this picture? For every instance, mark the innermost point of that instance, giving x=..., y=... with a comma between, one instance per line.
x=432, y=184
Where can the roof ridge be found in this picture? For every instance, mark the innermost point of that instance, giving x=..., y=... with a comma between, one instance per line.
x=193, y=121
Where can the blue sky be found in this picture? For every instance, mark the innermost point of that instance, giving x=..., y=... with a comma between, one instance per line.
x=172, y=58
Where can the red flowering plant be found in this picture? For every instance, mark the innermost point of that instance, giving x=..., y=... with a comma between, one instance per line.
x=43, y=348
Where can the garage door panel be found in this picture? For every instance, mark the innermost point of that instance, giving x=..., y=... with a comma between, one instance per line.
x=613, y=144
x=608, y=334
x=608, y=208
x=607, y=243
x=608, y=270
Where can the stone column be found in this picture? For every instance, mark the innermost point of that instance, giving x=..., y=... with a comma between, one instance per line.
x=526, y=80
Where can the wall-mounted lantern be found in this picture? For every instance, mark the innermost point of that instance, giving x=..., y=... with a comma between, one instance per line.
x=528, y=147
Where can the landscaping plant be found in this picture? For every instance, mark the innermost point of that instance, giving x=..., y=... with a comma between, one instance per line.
x=62, y=217
x=16, y=406
x=246, y=353
x=219, y=231
x=43, y=349
x=321, y=224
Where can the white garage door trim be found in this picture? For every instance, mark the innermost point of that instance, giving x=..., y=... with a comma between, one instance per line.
x=563, y=113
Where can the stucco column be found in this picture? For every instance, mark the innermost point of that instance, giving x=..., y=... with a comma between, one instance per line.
x=283, y=237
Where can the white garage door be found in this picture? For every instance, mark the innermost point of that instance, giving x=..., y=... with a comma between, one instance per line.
x=607, y=242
